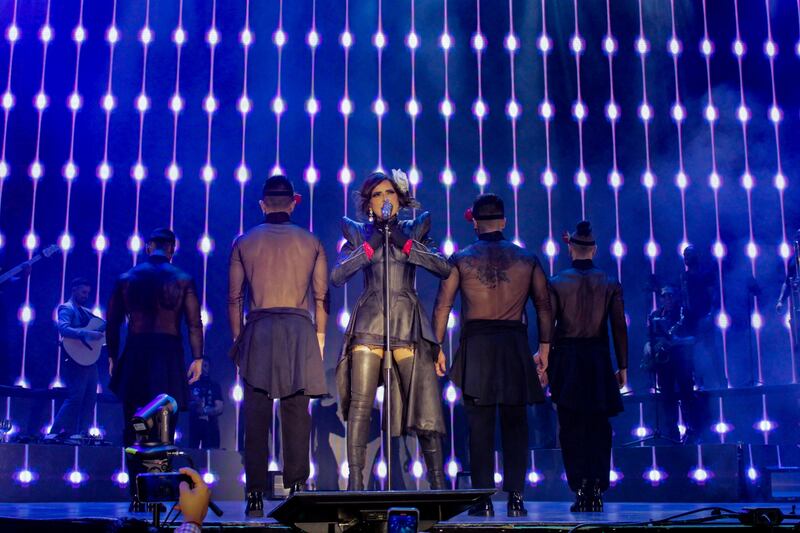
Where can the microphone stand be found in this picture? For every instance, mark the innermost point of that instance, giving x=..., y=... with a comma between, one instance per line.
x=387, y=353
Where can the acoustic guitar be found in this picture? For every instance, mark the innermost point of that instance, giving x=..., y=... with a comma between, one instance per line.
x=86, y=352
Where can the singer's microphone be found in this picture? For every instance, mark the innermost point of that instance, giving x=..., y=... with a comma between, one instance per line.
x=386, y=210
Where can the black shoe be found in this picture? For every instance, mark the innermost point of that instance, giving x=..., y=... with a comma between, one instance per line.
x=516, y=505
x=297, y=487
x=484, y=508
x=596, y=503
x=137, y=506
x=255, y=505
x=582, y=498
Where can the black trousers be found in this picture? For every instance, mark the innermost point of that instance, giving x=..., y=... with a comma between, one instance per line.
x=295, y=434
x=676, y=383
x=514, y=435
x=585, y=446
x=204, y=433
x=77, y=411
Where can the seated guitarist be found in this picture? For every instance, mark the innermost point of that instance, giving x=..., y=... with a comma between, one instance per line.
x=75, y=415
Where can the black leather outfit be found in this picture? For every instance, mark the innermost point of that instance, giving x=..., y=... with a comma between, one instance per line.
x=416, y=395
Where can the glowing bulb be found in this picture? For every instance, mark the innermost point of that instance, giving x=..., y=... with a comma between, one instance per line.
x=700, y=475
x=25, y=314
x=382, y=469
x=579, y=110
x=312, y=39
x=242, y=173
x=122, y=478
x=714, y=180
x=752, y=474
x=576, y=43
x=237, y=393
x=205, y=245
x=446, y=41
x=648, y=179
x=208, y=173
x=279, y=38
x=478, y=42
x=346, y=39
x=738, y=48
x=479, y=109
x=446, y=108
x=212, y=37
x=70, y=170
x=379, y=107
x=65, y=242
x=550, y=248
x=179, y=36
x=534, y=477
x=452, y=468
x=139, y=172
x=450, y=394
x=615, y=179
x=104, y=171
x=135, y=243
x=675, y=46
x=612, y=111
x=780, y=181
x=273, y=466
x=246, y=37
x=412, y=41
x=8, y=100
x=312, y=106
x=642, y=46
x=548, y=178
x=651, y=249
x=498, y=478
x=711, y=113
x=582, y=179
x=723, y=321
x=775, y=114
x=112, y=35
x=40, y=101
x=345, y=106
x=784, y=250
x=447, y=177
x=609, y=45
x=25, y=476
x=513, y=109
x=344, y=319
x=100, y=242
x=546, y=110
x=481, y=177
x=678, y=113
x=706, y=47
x=416, y=469
x=142, y=103
x=722, y=427
x=448, y=247
x=210, y=104
x=771, y=49
x=512, y=43
x=75, y=477
x=345, y=176
x=718, y=250
x=654, y=475
x=146, y=36
x=209, y=478
x=176, y=103
x=618, y=249
x=46, y=34
x=544, y=43
x=109, y=102
x=311, y=175
x=12, y=34
x=765, y=426
x=414, y=176
x=645, y=112
x=74, y=102
x=278, y=105
x=379, y=40
x=614, y=476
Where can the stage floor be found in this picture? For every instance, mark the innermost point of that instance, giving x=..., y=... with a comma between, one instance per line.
x=541, y=515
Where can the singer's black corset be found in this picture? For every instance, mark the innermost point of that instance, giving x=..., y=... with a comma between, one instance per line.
x=408, y=321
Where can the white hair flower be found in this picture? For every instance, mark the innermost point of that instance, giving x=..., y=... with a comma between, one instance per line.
x=400, y=180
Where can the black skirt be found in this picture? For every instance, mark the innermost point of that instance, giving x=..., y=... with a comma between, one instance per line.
x=278, y=352
x=494, y=364
x=151, y=364
x=581, y=377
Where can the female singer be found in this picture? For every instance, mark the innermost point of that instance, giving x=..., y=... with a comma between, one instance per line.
x=417, y=400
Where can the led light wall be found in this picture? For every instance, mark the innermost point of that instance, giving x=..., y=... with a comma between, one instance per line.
x=666, y=123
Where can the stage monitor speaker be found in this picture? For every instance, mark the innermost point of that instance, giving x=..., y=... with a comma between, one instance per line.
x=321, y=512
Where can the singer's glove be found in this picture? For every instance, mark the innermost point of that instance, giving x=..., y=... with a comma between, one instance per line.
x=396, y=236
x=375, y=237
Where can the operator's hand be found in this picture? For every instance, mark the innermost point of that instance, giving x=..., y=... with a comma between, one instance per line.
x=441, y=364
x=193, y=503
x=195, y=370
x=622, y=377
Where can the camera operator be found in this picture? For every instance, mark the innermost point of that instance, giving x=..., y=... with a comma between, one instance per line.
x=668, y=355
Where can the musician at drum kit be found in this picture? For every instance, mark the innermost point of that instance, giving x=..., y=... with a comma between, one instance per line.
x=78, y=326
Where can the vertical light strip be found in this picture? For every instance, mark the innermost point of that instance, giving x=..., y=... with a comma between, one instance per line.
x=513, y=111
x=12, y=36
x=35, y=171
x=245, y=105
x=139, y=171
x=69, y=171
x=446, y=108
x=104, y=170
x=715, y=182
x=479, y=108
x=173, y=172
x=748, y=182
x=780, y=182
x=579, y=109
x=312, y=108
x=610, y=48
x=547, y=111
x=412, y=106
x=379, y=106
x=278, y=103
x=345, y=173
x=678, y=113
x=645, y=114
x=208, y=173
